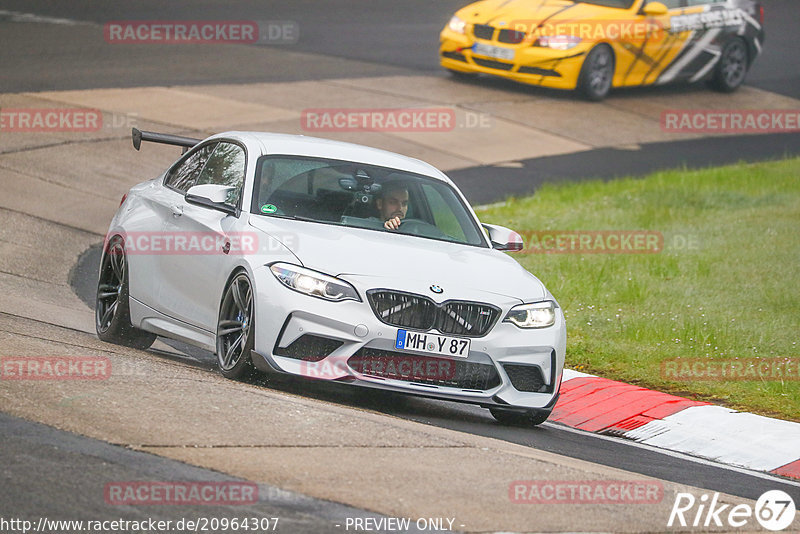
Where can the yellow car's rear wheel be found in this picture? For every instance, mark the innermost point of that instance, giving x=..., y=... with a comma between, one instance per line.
x=732, y=66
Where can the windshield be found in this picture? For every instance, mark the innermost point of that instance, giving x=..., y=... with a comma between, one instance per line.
x=361, y=196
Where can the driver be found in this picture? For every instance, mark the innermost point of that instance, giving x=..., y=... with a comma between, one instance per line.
x=392, y=204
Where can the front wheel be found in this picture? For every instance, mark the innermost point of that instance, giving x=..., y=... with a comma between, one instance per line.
x=112, y=317
x=597, y=73
x=235, y=330
x=731, y=68
x=519, y=417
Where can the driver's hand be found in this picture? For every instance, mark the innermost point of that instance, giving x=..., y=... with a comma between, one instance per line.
x=393, y=223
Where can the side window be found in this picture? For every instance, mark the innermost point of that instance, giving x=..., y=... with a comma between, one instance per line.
x=184, y=174
x=226, y=166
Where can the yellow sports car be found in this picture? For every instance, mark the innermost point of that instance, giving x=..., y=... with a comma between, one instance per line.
x=594, y=45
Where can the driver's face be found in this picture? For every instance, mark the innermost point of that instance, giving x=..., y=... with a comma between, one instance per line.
x=393, y=204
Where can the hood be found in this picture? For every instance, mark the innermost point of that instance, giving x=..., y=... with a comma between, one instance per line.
x=508, y=13
x=374, y=259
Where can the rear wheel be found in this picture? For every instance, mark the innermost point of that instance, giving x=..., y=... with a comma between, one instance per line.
x=111, y=310
x=597, y=73
x=519, y=417
x=731, y=68
x=235, y=330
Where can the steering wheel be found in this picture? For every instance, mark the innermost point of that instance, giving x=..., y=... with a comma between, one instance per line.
x=420, y=228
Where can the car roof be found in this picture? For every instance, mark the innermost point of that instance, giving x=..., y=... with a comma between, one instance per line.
x=301, y=145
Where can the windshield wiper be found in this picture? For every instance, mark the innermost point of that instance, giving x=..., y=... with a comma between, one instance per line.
x=307, y=219
x=292, y=217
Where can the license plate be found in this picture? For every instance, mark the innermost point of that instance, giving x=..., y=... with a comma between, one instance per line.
x=493, y=51
x=432, y=343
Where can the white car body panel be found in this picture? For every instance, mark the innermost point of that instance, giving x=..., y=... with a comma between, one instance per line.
x=179, y=295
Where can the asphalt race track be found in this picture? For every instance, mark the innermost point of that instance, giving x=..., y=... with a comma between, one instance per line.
x=384, y=36
x=466, y=418
x=337, y=39
x=45, y=465
x=320, y=453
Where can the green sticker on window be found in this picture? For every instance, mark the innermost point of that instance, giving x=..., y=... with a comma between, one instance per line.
x=269, y=208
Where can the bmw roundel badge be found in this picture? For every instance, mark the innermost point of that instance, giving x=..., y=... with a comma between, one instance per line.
x=437, y=289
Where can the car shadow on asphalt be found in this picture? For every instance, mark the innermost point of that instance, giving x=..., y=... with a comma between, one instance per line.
x=83, y=280
x=669, y=89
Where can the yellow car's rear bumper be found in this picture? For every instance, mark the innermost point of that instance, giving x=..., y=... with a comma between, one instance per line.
x=533, y=65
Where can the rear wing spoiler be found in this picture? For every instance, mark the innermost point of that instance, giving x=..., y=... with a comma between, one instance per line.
x=168, y=139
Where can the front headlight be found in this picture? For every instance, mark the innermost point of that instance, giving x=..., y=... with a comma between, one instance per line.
x=313, y=283
x=457, y=25
x=558, y=42
x=536, y=315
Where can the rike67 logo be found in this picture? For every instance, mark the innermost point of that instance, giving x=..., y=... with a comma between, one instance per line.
x=774, y=510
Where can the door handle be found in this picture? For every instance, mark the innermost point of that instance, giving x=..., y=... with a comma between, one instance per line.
x=177, y=211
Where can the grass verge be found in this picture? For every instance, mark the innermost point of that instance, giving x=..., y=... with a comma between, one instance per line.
x=724, y=290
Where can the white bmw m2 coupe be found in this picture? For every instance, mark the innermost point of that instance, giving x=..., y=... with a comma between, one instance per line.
x=332, y=261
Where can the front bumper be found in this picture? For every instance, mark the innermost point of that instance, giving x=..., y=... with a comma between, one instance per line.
x=558, y=69
x=346, y=342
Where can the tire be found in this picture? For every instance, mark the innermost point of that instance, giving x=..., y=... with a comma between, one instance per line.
x=731, y=69
x=236, y=329
x=597, y=73
x=112, y=317
x=519, y=418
